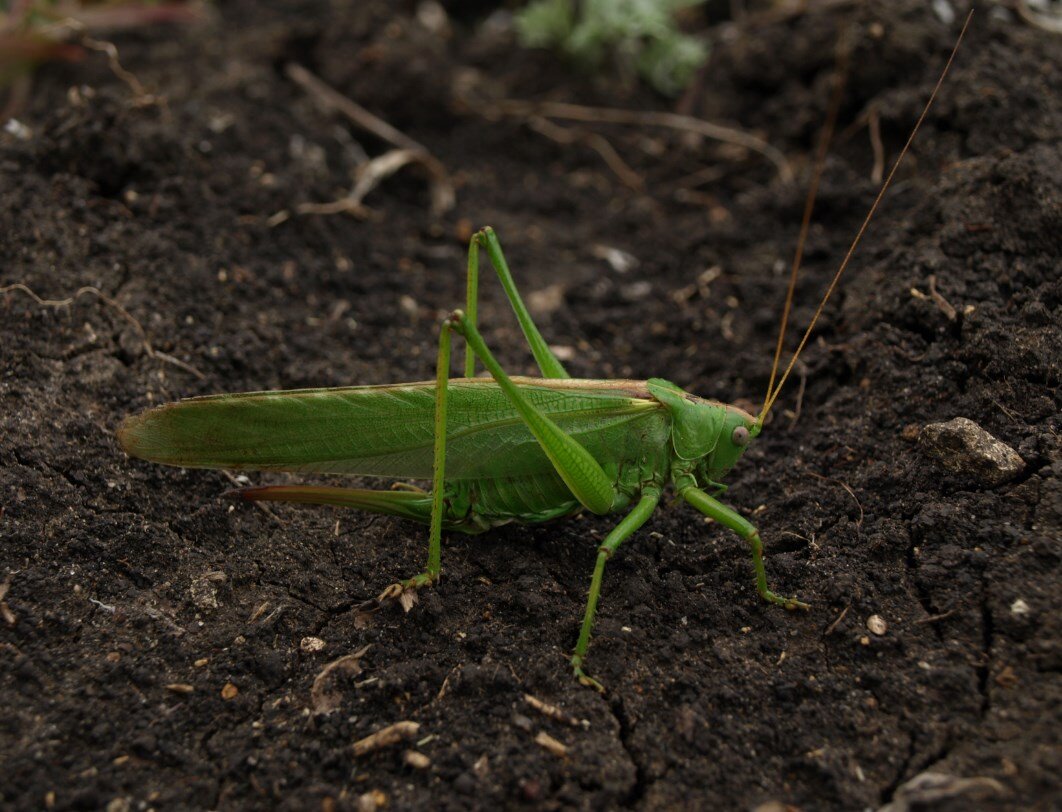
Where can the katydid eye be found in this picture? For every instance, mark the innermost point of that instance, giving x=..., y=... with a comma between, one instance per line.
x=740, y=437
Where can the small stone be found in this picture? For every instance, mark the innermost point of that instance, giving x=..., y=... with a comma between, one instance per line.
x=1007, y=678
x=531, y=790
x=229, y=691
x=962, y=446
x=1019, y=608
x=864, y=640
x=204, y=593
x=311, y=645
x=371, y=801
x=465, y=783
x=201, y=662
x=180, y=688
x=877, y=625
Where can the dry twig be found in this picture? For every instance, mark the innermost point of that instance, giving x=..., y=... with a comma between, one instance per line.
x=553, y=712
x=877, y=172
x=331, y=100
x=1038, y=19
x=386, y=737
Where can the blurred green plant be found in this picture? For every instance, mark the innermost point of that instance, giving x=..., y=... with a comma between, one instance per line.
x=33, y=32
x=640, y=35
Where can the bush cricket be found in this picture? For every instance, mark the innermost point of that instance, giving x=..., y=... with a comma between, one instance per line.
x=499, y=449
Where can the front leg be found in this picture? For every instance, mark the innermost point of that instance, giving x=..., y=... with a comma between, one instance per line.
x=728, y=517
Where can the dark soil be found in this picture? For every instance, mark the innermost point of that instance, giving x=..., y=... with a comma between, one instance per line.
x=128, y=580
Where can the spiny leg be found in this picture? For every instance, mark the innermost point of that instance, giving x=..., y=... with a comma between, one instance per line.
x=728, y=517
x=438, y=506
x=576, y=466
x=547, y=362
x=620, y=533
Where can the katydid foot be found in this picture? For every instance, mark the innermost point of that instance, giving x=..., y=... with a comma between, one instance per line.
x=583, y=677
x=792, y=604
x=405, y=592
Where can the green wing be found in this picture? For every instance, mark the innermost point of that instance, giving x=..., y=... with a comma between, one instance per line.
x=387, y=430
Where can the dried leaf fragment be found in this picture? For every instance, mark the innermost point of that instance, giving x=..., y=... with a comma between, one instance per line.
x=326, y=696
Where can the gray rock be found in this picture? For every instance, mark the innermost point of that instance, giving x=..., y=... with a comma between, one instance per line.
x=962, y=446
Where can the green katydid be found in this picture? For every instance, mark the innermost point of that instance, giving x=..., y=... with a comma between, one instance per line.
x=496, y=449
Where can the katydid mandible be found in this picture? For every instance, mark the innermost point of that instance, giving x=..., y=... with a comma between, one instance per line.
x=497, y=450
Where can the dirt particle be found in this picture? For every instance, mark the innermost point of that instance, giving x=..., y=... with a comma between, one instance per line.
x=204, y=594
x=229, y=691
x=465, y=783
x=181, y=688
x=1007, y=678
x=877, y=625
x=1019, y=608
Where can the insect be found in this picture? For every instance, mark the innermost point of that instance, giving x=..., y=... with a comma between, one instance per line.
x=497, y=450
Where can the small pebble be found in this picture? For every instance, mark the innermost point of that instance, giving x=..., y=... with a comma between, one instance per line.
x=311, y=645
x=229, y=691
x=877, y=625
x=1019, y=608
x=465, y=783
x=962, y=446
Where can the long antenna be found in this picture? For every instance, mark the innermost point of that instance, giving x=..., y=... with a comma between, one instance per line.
x=866, y=222
x=825, y=136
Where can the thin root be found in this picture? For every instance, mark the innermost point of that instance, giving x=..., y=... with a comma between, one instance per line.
x=837, y=621
x=859, y=523
x=640, y=118
x=107, y=300
x=597, y=142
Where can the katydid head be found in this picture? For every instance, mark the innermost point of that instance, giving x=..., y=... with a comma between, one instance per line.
x=737, y=431
x=707, y=437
